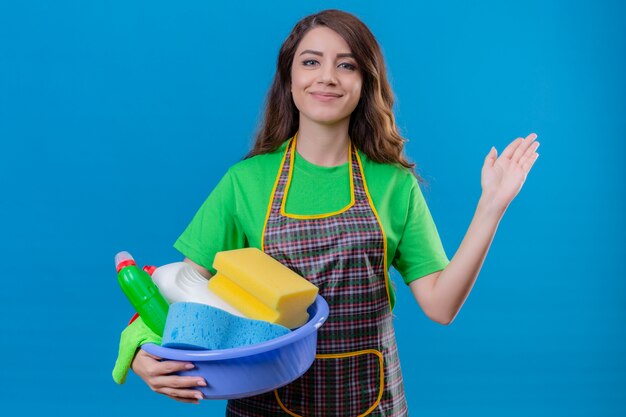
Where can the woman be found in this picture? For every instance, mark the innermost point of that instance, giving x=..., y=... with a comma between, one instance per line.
x=327, y=191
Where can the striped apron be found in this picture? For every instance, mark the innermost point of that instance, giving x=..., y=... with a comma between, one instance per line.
x=356, y=371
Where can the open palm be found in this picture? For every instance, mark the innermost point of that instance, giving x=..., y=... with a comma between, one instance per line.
x=502, y=177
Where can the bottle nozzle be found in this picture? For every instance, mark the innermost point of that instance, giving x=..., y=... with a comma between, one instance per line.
x=123, y=259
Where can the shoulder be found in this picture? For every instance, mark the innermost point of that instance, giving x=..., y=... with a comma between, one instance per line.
x=381, y=176
x=256, y=173
x=259, y=168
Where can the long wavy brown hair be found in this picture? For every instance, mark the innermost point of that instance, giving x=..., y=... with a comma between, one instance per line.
x=372, y=126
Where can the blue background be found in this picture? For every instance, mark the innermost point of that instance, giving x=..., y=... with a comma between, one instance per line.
x=118, y=118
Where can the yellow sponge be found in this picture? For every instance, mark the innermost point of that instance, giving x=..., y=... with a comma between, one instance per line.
x=262, y=288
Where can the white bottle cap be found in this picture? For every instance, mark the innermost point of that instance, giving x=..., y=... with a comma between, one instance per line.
x=122, y=257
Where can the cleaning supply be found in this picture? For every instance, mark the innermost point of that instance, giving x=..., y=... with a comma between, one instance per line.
x=251, y=370
x=201, y=326
x=131, y=339
x=261, y=287
x=142, y=293
x=180, y=281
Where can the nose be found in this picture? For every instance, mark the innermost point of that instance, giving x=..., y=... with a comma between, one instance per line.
x=327, y=75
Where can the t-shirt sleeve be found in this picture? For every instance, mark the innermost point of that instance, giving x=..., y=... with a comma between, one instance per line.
x=420, y=251
x=214, y=227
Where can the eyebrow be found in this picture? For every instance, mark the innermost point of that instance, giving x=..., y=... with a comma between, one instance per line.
x=318, y=53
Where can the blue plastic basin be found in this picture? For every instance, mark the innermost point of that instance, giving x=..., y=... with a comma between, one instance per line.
x=255, y=369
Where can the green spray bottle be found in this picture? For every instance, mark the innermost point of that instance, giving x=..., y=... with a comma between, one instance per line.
x=142, y=293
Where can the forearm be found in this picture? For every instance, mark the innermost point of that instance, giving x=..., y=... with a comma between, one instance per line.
x=202, y=270
x=455, y=282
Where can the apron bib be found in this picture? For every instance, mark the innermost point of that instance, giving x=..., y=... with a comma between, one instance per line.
x=356, y=371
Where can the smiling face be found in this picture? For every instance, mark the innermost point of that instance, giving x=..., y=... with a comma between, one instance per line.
x=325, y=80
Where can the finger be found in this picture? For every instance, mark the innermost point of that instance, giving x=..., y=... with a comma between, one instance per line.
x=175, y=381
x=143, y=353
x=169, y=367
x=511, y=148
x=188, y=394
x=184, y=400
x=528, y=164
x=150, y=355
x=491, y=157
x=523, y=147
x=529, y=154
x=194, y=400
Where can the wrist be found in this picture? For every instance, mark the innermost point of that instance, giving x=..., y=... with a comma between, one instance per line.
x=490, y=207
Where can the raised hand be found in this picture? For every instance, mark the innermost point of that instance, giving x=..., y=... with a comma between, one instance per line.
x=502, y=177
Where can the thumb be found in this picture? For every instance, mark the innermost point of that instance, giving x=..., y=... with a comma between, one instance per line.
x=491, y=157
x=150, y=355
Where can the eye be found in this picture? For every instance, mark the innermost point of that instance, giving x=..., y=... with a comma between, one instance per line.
x=348, y=66
x=309, y=62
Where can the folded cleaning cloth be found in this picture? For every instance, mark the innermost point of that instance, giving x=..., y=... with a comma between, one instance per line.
x=133, y=336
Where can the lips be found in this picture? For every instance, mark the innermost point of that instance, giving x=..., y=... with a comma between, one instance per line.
x=324, y=96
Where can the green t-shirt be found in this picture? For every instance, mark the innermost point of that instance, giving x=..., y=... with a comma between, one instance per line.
x=234, y=213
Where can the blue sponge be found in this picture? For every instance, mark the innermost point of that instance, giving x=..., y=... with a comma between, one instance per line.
x=200, y=326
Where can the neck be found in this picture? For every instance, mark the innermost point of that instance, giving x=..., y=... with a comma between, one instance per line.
x=324, y=145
